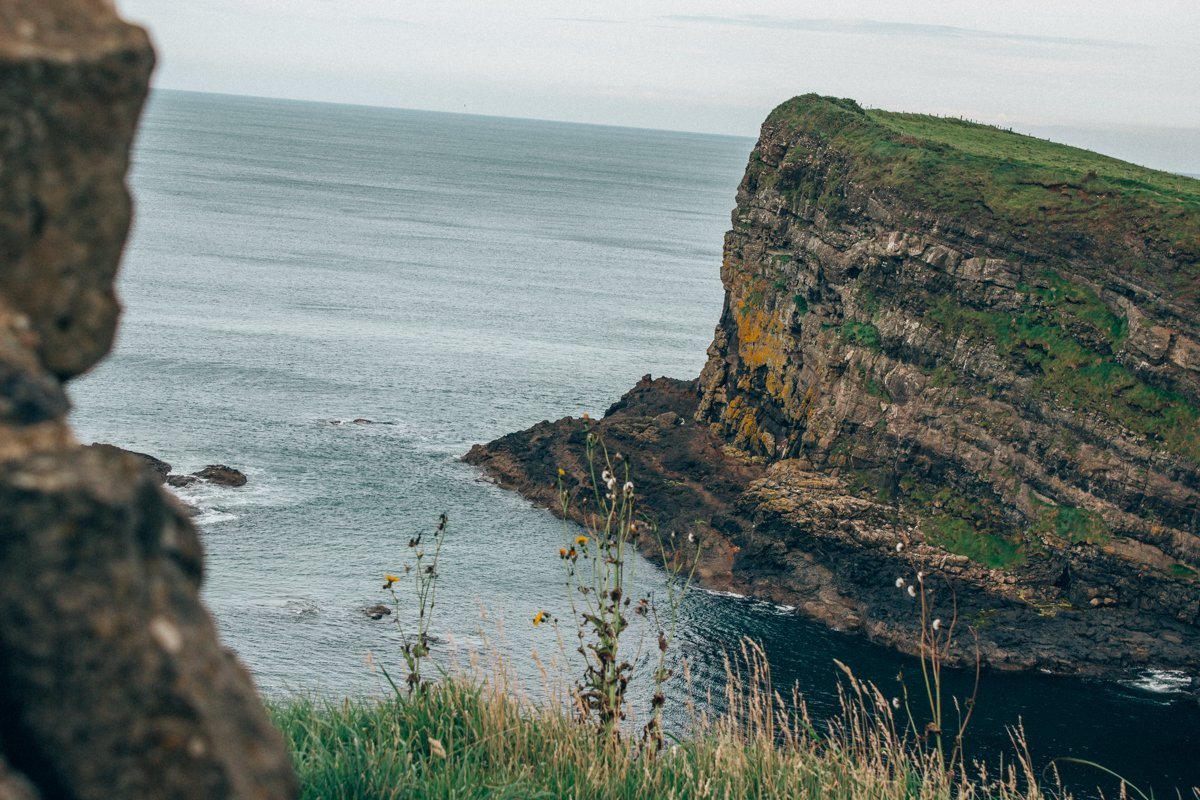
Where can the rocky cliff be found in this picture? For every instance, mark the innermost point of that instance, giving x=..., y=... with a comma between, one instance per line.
x=112, y=680
x=947, y=349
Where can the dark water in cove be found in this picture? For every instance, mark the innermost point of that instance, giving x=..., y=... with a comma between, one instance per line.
x=456, y=277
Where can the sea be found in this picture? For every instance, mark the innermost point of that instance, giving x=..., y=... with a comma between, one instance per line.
x=449, y=278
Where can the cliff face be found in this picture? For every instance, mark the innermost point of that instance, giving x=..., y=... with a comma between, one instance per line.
x=958, y=350
x=112, y=680
x=991, y=336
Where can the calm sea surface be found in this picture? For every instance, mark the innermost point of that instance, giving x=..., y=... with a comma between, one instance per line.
x=457, y=278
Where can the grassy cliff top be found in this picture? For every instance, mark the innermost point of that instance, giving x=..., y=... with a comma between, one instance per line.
x=1054, y=198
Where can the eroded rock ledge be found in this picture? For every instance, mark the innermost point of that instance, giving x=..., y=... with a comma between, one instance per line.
x=976, y=347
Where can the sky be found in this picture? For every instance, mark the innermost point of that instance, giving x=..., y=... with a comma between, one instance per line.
x=1122, y=77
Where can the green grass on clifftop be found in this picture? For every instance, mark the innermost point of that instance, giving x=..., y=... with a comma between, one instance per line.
x=462, y=741
x=1049, y=197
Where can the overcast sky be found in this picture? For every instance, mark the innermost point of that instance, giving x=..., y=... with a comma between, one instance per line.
x=1119, y=76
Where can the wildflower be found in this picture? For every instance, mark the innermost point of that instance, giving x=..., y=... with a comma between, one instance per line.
x=585, y=416
x=581, y=540
x=895, y=702
x=571, y=554
x=539, y=618
x=562, y=552
x=691, y=538
x=899, y=547
x=633, y=527
x=937, y=624
x=606, y=476
x=390, y=580
x=628, y=489
x=562, y=473
x=912, y=591
x=921, y=576
x=899, y=583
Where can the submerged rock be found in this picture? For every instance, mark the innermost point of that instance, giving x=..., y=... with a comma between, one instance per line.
x=377, y=611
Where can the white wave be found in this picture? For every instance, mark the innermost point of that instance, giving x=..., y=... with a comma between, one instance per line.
x=212, y=516
x=1162, y=681
x=217, y=504
x=718, y=593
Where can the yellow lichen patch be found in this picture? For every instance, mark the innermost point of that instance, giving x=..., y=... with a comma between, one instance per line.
x=775, y=386
x=759, y=343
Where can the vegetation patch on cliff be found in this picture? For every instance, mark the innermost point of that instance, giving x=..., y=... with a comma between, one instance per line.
x=1070, y=524
x=992, y=179
x=1038, y=342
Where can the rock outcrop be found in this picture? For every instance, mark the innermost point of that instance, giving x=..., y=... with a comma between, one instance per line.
x=952, y=350
x=221, y=475
x=112, y=680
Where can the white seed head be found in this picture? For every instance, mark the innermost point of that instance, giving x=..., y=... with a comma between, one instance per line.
x=899, y=547
x=628, y=489
x=921, y=576
x=899, y=583
x=691, y=537
x=606, y=476
x=912, y=591
x=937, y=624
x=895, y=702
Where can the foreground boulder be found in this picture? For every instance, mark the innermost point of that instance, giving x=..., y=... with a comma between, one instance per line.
x=112, y=680
x=945, y=350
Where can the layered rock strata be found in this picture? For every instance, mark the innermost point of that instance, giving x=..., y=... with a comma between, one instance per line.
x=958, y=352
x=112, y=680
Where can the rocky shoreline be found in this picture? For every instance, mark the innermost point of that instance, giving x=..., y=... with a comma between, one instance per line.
x=798, y=537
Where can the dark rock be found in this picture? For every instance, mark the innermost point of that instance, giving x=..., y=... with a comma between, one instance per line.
x=180, y=481
x=377, y=611
x=113, y=682
x=171, y=712
x=157, y=466
x=29, y=396
x=73, y=87
x=221, y=475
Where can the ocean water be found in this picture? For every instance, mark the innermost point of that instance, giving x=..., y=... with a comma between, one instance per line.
x=453, y=278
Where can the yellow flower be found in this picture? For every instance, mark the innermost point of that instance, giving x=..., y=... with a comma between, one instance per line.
x=562, y=552
x=562, y=473
x=539, y=618
x=581, y=540
x=390, y=580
